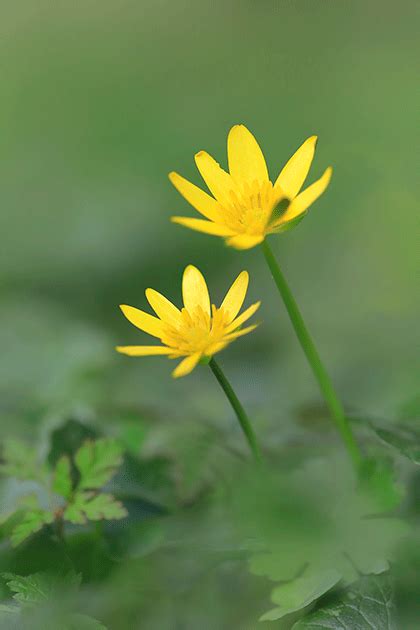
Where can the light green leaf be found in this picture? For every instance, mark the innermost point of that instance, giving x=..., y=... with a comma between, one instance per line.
x=31, y=589
x=88, y=507
x=62, y=481
x=379, y=484
x=366, y=605
x=20, y=461
x=301, y=592
x=32, y=522
x=97, y=461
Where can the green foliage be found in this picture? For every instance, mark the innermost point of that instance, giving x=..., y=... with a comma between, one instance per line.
x=31, y=523
x=325, y=532
x=62, y=480
x=97, y=462
x=301, y=592
x=21, y=461
x=37, y=592
x=403, y=437
x=368, y=604
x=86, y=506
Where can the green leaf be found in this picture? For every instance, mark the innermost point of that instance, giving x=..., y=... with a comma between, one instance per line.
x=62, y=481
x=368, y=604
x=31, y=589
x=404, y=438
x=97, y=461
x=20, y=461
x=68, y=438
x=88, y=507
x=301, y=592
x=32, y=522
x=378, y=482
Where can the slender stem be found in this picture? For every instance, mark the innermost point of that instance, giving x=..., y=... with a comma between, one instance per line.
x=237, y=407
x=308, y=346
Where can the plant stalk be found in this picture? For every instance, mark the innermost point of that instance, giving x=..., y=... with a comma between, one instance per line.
x=238, y=409
x=314, y=360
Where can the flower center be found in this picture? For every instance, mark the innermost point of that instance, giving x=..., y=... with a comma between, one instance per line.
x=248, y=210
x=197, y=331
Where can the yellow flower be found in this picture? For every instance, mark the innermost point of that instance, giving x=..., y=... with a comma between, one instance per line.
x=198, y=330
x=246, y=205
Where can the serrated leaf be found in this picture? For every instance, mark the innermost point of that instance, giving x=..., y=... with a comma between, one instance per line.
x=32, y=522
x=301, y=592
x=62, y=481
x=88, y=507
x=31, y=589
x=366, y=605
x=404, y=438
x=97, y=461
x=20, y=461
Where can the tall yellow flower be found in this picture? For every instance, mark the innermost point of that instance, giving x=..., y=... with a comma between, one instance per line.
x=246, y=205
x=197, y=331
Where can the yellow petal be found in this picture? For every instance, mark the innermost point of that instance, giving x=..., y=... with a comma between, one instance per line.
x=246, y=160
x=244, y=241
x=208, y=227
x=216, y=347
x=187, y=365
x=143, y=351
x=243, y=317
x=235, y=296
x=297, y=168
x=199, y=199
x=307, y=197
x=239, y=333
x=163, y=308
x=142, y=320
x=194, y=290
x=218, y=181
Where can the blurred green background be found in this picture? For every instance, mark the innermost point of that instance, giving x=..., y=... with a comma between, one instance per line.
x=99, y=100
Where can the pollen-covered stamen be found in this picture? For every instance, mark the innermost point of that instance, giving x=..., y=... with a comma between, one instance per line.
x=248, y=209
x=196, y=332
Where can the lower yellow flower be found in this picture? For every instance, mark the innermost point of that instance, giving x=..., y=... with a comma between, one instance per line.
x=246, y=205
x=197, y=331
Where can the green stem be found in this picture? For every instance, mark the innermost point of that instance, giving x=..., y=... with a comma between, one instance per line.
x=308, y=346
x=237, y=407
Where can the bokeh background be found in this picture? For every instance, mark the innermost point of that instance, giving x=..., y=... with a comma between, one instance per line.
x=99, y=100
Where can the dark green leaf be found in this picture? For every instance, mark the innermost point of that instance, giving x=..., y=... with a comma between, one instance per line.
x=404, y=438
x=97, y=461
x=367, y=605
x=68, y=438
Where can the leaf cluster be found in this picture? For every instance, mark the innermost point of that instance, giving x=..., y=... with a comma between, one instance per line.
x=68, y=490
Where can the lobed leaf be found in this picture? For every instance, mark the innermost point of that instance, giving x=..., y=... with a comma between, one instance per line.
x=97, y=461
x=90, y=507
x=30, y=589
x=21, y=461
x=32, y=522
x=299, y=593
